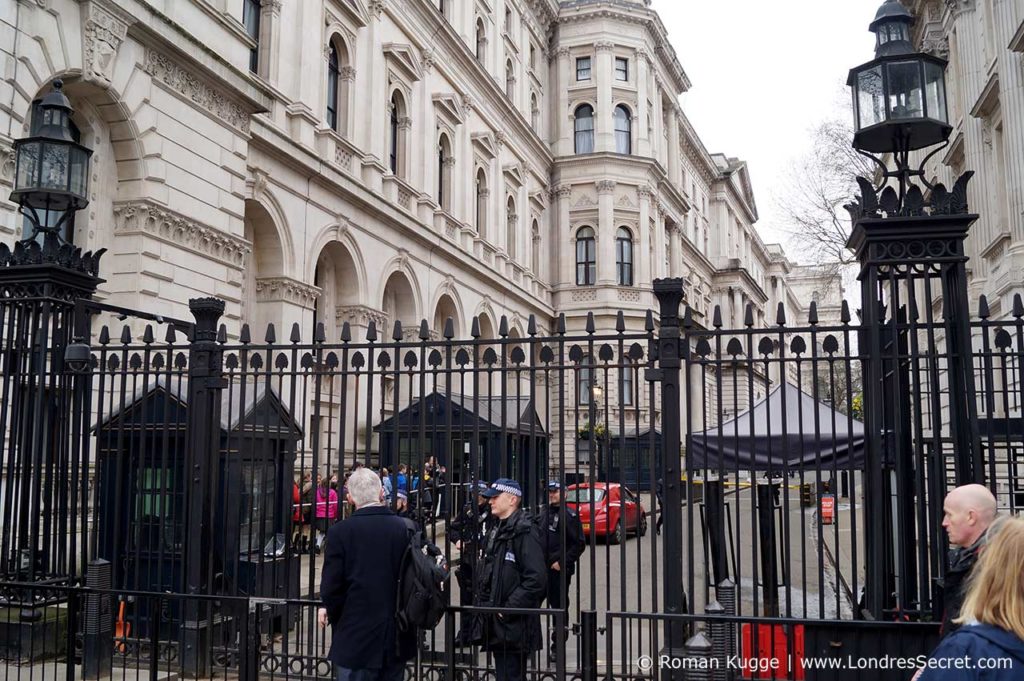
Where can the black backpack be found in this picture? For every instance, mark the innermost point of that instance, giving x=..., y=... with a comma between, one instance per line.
x=422, y=582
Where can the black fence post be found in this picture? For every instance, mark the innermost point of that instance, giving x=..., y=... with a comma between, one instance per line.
x=669, y=293
x=205, y=383
x=588, y=644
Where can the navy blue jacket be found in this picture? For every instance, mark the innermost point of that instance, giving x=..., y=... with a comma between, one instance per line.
x=359, y=586
x=974, y=642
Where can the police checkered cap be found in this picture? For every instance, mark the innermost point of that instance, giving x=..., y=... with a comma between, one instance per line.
x=504, y=485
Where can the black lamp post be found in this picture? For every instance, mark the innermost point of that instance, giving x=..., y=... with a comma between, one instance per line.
x=909, y=240
x=52, y=170
x=899, y=98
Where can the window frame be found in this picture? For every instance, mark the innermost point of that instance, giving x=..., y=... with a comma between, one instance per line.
x=624, y=62
x=583, y=134
x=586, y=262
x=624, y=260
x=623, y=136
x=589, y=68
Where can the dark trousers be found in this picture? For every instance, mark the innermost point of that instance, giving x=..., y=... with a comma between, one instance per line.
x=510, y=666
x=394, y=671
x=558, y=599
x=464, y=576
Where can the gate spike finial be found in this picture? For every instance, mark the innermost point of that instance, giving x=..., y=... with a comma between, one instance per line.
x=716, y=317
x=396, y=334
x=346, y=332
x=147, y=335
x=780, y=315
x=531, y=326
x=424, y=330
x=474, y=330
x=222, y=334
x=503, y=327
x=687, y=317
x=844, y=314
x=560, y=327
x=812, y=314
x=170, y=337
x=983, y=311
x=126, y=335
x=591, y=327
x=296, y=336
x=620, y=322
x=271, y=336
x=649, y=321
x=748, y=316
x=1018, y=306
x=245, y=337
x=371, y=331
x=104, y=335
x=449, y=328
x=320, y=333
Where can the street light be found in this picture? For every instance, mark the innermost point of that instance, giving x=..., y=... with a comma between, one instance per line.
x=52, y=170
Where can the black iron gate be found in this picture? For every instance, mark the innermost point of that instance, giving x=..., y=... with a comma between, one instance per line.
x=160, y=479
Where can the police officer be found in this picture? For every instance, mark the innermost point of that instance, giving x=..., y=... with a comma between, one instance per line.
x=562, y=550
x=468, y=531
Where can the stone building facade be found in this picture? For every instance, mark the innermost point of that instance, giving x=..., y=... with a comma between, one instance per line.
x=388, y=160
x=984, y=43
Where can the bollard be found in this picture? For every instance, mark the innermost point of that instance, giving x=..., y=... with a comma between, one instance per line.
x=588, y=643
x=698, y=651
x=726, y=590
x=719, y=641
x=98, y=629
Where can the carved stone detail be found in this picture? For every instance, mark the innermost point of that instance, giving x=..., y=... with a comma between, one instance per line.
x=347, y=73
x=604, y=46
x=360, y=315
x=163, y=68
x=605, y=186
x=288, y=290
x=6, y=164
x=144, y=217
x=343, y=157
x=103, y=35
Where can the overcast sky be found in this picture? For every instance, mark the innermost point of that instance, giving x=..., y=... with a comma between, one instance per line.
x=764, y=73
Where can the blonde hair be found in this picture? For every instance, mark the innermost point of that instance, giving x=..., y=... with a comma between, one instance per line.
x=995, y=592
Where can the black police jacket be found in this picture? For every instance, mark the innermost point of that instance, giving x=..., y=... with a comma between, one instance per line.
x=514, y=575
x=550, y=521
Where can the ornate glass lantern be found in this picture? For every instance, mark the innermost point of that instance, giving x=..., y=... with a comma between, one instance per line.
x=899, y=98
x=52, y=170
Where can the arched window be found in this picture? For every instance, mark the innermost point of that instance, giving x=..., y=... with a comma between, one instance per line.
x=333, y=76
x=481, y=203
x=535, y=252
x=535, y=113
x=445, y=158
x=510, y=80
x=624, y=257
x=623, y=130
x=396, y=135
x=586, y=257
x=481, y=42
x=510, y=228
x=584, y=129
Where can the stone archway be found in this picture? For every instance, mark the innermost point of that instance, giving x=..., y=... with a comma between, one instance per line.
x=337, y=278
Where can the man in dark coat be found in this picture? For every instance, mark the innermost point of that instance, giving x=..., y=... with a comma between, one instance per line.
x=513, y=575
x=968, y=511
x=358, y=587
x=467, y=532
x=563, y=545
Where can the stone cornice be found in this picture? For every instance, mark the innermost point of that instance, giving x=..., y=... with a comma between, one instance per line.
x=212, y=99
x=150, y=219
x=286, y=289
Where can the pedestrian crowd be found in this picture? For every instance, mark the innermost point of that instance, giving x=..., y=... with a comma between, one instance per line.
x=511, y=562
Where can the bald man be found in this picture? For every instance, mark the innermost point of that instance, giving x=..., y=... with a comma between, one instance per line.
x=968, y=511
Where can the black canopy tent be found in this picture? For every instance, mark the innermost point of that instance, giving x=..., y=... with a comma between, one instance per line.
x=788, y=428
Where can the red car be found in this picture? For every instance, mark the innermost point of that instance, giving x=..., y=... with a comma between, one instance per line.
x=617, y=511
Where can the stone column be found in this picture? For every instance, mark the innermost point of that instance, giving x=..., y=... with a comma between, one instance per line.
x=604, y=124
x=642, y=258
x=497, y=196
x=606, y=233
x=677, y=249
x=1011, y=96
x=737, y=306
x=643, y=141
x=562, y=122
x=423, y=143
x=673, y=147
x=376, y=88
x=270, y=41
x=524, y=230
x=564, y=273
x=467, y=186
